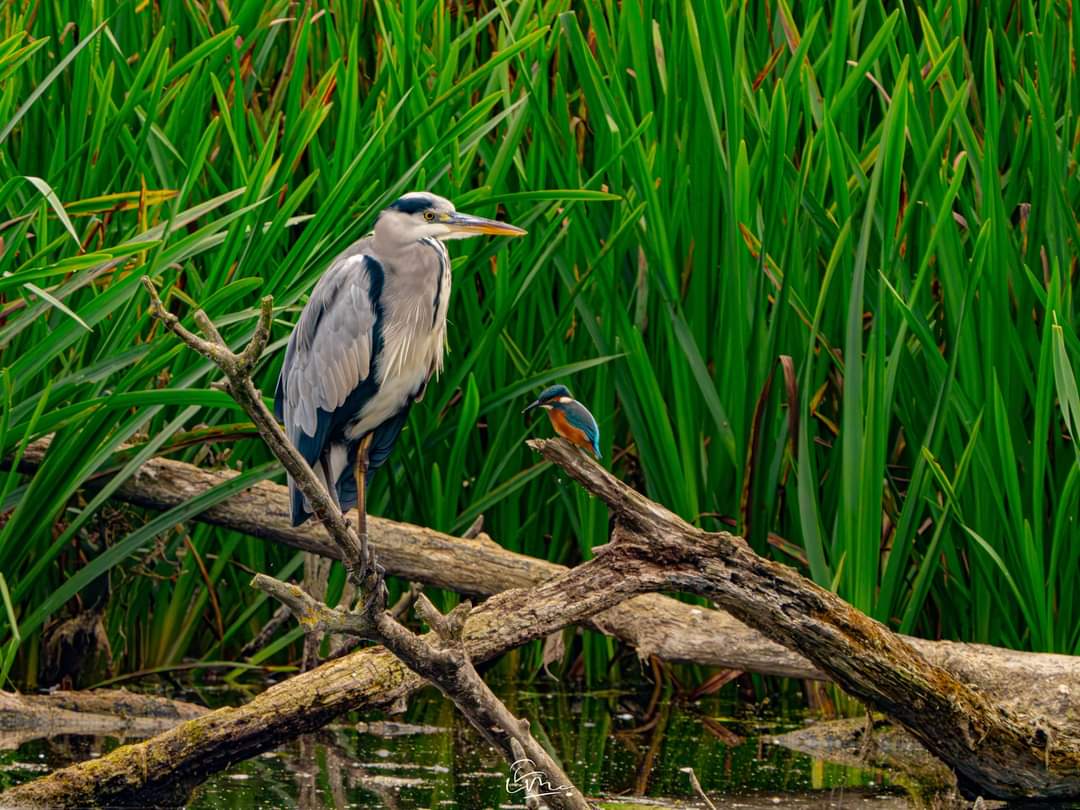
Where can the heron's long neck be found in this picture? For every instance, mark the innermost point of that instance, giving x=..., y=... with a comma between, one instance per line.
x=415, y=301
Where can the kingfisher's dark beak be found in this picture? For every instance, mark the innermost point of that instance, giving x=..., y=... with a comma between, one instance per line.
x=467, y=225
x=531, y=406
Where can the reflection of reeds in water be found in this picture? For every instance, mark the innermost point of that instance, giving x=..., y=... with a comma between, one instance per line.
x=325, y=759
x=613, y=743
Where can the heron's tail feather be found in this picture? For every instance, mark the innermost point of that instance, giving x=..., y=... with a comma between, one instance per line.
x=297, y=504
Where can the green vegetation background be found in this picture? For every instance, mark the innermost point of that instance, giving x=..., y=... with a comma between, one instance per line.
x=812, y=268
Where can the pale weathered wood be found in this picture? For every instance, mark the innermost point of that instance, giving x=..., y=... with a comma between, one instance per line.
x=995, y=751
x=653, y=624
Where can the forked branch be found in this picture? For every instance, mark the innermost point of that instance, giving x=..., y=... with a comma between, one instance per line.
x=441, y=658
x=995, y=751
x=237, y=369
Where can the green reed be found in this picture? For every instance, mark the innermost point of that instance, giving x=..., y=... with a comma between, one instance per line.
x=812, y=269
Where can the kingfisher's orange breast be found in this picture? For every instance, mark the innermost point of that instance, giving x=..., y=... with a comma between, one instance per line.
x=567, y=431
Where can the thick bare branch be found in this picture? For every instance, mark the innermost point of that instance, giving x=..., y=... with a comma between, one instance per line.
x=446, y=665
x=237, y=368
x=995, y=751
x=312, y=615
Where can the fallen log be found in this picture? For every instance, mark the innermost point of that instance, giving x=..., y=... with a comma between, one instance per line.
x=161, y=771
x=99, y=712
x=652, y=624
x=994, y=750
x=18, y=710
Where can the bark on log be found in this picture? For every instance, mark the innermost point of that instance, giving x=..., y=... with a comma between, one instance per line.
x=160, y=771
x=995, y=751
x=653, y=624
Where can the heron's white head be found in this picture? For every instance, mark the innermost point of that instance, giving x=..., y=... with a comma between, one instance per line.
x=420, y=214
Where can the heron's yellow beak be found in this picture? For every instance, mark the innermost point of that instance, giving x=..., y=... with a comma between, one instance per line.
x=468, y=224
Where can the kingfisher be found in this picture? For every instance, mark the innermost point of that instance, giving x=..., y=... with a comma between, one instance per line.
x=367, y=342
x=569, y=417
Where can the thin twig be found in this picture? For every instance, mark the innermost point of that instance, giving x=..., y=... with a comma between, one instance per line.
x=696, y=785
x=475, y=528
x=281, y=615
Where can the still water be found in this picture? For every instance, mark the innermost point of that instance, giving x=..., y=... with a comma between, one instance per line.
x=628, y=747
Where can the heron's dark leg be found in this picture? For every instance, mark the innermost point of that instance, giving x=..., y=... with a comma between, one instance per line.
x=360, y=471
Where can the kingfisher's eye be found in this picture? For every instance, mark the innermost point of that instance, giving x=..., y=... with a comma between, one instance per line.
x=429, y=216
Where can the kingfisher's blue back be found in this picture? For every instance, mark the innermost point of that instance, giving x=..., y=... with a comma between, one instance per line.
x=578, y=416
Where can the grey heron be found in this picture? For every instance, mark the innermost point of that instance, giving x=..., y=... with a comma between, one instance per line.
x=367, y=342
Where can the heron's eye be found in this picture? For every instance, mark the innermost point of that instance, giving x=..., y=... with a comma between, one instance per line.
x=429, y=216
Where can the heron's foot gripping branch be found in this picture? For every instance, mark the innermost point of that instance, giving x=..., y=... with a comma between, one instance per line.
x=439, y=657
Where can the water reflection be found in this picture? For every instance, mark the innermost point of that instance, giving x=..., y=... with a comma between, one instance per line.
x=613, y=744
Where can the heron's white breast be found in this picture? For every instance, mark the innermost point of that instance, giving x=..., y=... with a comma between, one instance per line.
x=413, y=340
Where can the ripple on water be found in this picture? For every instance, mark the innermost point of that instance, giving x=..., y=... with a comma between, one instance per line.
x=617, y=744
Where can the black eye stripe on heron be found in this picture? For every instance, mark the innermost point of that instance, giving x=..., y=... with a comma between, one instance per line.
x=359, y=356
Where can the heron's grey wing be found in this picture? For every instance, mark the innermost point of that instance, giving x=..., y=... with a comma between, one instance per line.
x=328, y=359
